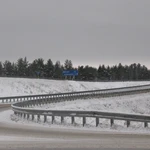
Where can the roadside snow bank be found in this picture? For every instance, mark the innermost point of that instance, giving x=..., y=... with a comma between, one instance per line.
x=136, y=104
x=119, y=126
x=20, y=86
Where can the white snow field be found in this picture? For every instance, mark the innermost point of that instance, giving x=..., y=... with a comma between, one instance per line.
x=130, y=104
x=133, y=104
x=139, y=104
x=21, y=86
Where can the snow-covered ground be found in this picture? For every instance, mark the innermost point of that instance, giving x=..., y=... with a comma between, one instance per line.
x=132, y=104
x=139, y=104
x=8, y=117
x=20, y=86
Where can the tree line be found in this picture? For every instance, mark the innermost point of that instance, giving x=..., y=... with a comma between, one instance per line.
x=39, y=69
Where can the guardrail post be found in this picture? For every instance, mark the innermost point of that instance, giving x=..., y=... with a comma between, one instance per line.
x=42, y=102
x=32, y=117
x=46, y=100
x=84, y=121
x=53, y=118
x=111, y=122
x=24, y=115
x=27, y=116
x=31, y=104
x=97, y=121
x=38, y=117
x=72, y=97
x=39, y=103
x=128, y=123
x=62, y=119
x=72, y=120
x=19, y=114
x=145, y=124
x=45, y=118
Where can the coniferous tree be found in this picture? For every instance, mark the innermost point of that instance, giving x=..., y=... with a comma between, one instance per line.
x=37, y=67
x=58, y=70
x=120, y=72
x=8, y=70
x=108, y=73
x=49, y=69
x=113, y=72
x=126, y=72
x=22, y=65
x=87, y=73
x=68, y=64
x=14, y=70
x=131, y=73
x=1, y=69
x=104, y=73
x=100, y=72
x=145, y=74
x=81, y=73
x=138, y=71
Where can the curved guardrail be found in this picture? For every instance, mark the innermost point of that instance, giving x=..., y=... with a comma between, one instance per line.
x=23, y=108
x=30, y=112
x=81, y=94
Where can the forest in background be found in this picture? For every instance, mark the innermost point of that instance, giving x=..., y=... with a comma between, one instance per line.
x=49, y=70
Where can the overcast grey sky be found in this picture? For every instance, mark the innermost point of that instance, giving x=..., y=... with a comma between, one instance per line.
x=86, y=31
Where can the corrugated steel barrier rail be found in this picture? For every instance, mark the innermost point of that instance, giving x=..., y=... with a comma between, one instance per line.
x=23, y=104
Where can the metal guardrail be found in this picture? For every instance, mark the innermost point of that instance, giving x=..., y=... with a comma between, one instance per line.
x=81, y=94
x=23, y=108
x=29, y=112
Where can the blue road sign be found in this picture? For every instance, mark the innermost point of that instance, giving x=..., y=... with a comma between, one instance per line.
x=70, y=72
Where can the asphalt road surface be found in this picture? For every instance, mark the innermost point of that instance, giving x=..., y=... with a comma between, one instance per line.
x=22, y=137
